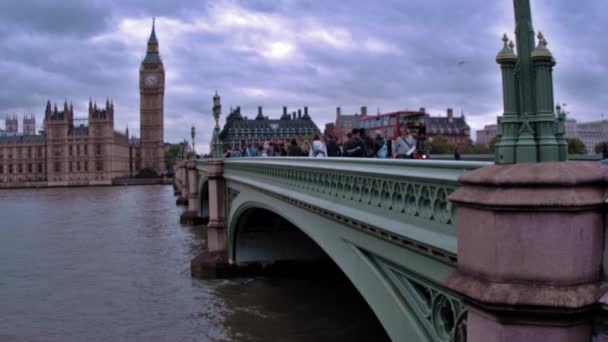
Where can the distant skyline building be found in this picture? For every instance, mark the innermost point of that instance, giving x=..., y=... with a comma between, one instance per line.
x=240, y=131
x=346, y=122
x=590, y=133
x=11, y=124
x=484, y=136
x=29, y=124
x=71, y=150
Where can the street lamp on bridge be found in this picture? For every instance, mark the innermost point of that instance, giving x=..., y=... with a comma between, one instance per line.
x=192, y=131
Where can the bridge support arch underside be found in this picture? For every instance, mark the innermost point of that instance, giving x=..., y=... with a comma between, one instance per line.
x=403, y=287
x=204, y=198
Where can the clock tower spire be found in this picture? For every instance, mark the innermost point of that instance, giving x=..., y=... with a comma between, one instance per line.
x=151, y=117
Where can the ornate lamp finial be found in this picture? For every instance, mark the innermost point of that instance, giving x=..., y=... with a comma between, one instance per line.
x=192, y=132
x=540, y=37
x=511, y=45
x=505, y=39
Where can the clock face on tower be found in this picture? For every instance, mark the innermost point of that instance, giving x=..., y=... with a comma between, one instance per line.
x=150, y=80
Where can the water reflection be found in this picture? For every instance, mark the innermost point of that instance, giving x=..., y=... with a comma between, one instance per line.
x=303, y=307
x=112, y=264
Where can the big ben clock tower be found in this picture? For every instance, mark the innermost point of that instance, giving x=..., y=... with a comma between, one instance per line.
x=151, y=117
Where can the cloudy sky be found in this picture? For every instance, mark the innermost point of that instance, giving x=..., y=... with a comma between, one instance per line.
x=387, y=55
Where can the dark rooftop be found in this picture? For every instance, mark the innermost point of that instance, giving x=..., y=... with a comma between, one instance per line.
x=12, y=139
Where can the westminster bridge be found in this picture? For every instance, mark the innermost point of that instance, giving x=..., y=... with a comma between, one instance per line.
x=508, y=250
x=440, y=250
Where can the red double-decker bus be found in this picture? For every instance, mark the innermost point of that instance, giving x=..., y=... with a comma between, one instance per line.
x=390, y=123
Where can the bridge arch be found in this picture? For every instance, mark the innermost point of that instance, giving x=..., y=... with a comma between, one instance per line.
x=203, y=194
x=369, y=264
x=260, y=234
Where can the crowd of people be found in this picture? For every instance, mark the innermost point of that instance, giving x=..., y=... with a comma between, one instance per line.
x=356, y=144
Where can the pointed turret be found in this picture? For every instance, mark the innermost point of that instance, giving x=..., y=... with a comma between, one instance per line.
x=47, y=111
x=152, y=40
x=260, y=116
x=306, y=116
x=152, y=56
x=217, y=109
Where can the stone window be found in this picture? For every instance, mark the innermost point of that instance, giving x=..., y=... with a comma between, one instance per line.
x=57, y=167
x=20, y=168
x=70, y=149
x=71, y=164
x=77, y=150
x=30, y=168
x=98, y=149
x=10, y=169
x=1, y=169
x=19, y=151
x=77, y=166
x=85, y=149
x=29, y=151
x=39, y=151
x=99, y=165
x=86, y=165
x=39, y=167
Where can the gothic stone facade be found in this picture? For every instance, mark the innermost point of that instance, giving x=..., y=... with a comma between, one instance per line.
x=240, y=131
x=67, y=153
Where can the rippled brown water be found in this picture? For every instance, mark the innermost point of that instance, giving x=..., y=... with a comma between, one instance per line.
x=112, y=264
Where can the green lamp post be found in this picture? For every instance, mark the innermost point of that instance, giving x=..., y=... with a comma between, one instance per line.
x=192, y=133
x=529, y=131
x=217, y=111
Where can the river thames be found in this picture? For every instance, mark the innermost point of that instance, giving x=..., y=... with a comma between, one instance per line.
x=112, y=264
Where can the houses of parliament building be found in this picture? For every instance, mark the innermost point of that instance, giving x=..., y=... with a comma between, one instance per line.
x=88, y=150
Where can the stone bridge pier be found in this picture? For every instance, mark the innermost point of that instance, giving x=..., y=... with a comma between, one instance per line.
x=192, y=215
x=177, y=179
x=214, y=261
x=181, y=176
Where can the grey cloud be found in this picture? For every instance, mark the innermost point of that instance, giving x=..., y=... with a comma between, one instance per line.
x=60, y=17
x=49, y=54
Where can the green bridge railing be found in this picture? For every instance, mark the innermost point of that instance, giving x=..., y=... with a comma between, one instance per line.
x=403, y=201
x=491, y=157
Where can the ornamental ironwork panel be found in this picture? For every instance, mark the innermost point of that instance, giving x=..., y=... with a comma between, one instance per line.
x=385, y=193
x=438, y=310
x=232, y=194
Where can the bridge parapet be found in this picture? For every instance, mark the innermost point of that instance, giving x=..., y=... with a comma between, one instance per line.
x=405, y=202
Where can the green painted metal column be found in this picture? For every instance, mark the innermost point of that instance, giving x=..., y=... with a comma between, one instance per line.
x=529, y=131
x=217, y=145
x=508, y=124
x=530, y=228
